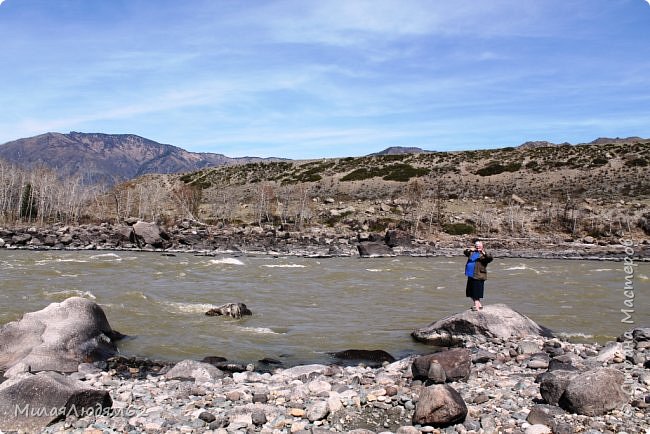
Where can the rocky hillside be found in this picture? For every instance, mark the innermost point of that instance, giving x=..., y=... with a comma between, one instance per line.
x=566, y=192
x=107, y=158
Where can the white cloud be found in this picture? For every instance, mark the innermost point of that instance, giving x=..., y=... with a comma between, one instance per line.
x=2, y=1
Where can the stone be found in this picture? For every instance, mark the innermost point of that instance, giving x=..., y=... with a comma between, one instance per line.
x=233, y=310
x=544, y=414
x=436, y=373
x=595, y=392
x=317, y=411
x=493, y=321
x=258, y=417
x=17, y=369
x=641, y=334
x=538, y=429
x=207, y=417
x=609, y=352
x=407, y=430
x=527, y=347
x=440, y=406
x=456, y=364
x=199, y=371
x=553, y=384
x=538, y=361
x=483, y=356
x=58, y=337
x=30, y=402
x=369, y=249
x=368, y=357
x=151, y=234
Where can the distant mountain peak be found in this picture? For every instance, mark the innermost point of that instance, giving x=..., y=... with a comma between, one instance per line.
x=108, y=158
x=399, y=150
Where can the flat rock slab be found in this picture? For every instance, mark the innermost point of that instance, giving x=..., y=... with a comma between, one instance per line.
x=494, y=321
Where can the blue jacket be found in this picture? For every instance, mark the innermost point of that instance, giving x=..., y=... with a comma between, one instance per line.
x=476, y=264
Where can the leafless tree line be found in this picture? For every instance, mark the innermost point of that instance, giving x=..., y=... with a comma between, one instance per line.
x=39, y=196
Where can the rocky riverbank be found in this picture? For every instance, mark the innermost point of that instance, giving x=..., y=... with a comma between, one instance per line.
x=313, y=242
x=507, y=375
x=500, y=393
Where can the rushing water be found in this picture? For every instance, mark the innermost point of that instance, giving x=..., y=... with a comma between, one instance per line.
x=305, y=308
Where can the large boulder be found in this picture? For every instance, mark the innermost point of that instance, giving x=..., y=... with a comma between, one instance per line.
x=592, y=393
x=58, y=337
x=595, y=392
x=552, y=384
x=440, y=406
x=495, y=321
x=456, y=364
x=150, y=234
x=369, y=249
x=31, y=402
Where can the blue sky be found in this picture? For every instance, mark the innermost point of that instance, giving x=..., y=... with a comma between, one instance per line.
x=310, y=79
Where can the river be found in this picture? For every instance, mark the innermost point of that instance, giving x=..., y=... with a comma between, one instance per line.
x=305, y=308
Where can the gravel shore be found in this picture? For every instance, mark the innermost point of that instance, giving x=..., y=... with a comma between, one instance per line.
x=501, y=395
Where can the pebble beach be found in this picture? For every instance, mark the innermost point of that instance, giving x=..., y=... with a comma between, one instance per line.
x=501, y=395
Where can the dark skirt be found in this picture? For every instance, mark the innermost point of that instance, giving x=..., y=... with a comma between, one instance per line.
x=474, y=288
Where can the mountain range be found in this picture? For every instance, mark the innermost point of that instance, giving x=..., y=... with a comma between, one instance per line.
x=109, y=158
x=113, y=158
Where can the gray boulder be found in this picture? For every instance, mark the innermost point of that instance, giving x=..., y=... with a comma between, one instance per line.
x=31, y=402
x=199, y=371
x=595, y=392
x=233, y=310
x=440, y=406
x=456, y=364
x=58, y=337
x=544, y=414
x=553, y=384
x=151, y=234
x=372, y=249
x=494, y=321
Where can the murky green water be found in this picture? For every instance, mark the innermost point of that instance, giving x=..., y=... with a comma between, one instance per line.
x=304, y=308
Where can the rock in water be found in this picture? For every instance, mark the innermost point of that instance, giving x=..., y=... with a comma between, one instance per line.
x=58, y=337
x=368, y=249
x=440, y=406
x=495, y=320
x=233, y=310
x=31, y=402
x=371, y=357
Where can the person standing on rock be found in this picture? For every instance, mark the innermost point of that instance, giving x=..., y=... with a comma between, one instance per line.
x=476, y=272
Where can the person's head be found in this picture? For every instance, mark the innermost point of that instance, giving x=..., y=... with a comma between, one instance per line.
x=478, y=245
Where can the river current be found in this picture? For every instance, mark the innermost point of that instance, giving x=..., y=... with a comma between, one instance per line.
x=305, y=308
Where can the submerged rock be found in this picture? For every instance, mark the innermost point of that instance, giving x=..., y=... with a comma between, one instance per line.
x=372, y=357
x=233, y=310
x=58, y=337
x=495, y=321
